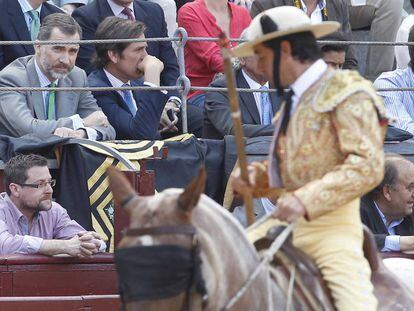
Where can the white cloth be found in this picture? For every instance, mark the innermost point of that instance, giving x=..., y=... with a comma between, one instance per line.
x=255, y=86
x=401, y=52
x=316, y=16
x=170, y=14
x=305, y=81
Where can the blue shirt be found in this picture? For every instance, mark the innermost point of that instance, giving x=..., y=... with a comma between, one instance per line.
x=26, y=8
x=399, y=105
x=392, y=242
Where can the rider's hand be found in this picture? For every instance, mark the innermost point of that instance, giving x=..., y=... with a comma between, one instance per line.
x=257, y=172
x=289, y=208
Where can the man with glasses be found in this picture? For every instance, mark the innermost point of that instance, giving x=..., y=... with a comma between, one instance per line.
x=30, y=222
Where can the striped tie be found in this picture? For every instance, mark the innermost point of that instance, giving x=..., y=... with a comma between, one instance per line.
x=266, y=107
x=34, y=24
x=127, y=94
x=127, y=12
x=51, y=115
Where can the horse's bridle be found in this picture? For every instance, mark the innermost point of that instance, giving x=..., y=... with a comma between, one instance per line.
x=196, y=281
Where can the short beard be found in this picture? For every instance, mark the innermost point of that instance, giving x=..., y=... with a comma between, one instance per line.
x=49, y=70
x=42, y=206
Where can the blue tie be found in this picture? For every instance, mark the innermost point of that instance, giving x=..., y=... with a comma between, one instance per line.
x=127, y=94
x=266, y=107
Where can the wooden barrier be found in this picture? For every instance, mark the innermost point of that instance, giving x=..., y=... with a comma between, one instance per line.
x=61, y=303
x=37, y=275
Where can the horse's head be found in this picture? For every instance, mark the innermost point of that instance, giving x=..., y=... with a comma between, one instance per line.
x=157, y=259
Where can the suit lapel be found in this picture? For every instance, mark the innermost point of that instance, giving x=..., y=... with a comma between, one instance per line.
x=65, y=103
x=104, y=10
x=105, y=82
x=18, y=22
x=275, y=101
x=377, y=218
x=247, y=101
x=36, y=98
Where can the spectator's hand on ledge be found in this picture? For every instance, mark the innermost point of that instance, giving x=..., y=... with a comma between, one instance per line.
x=168, y=125
x=81, y=246
x=67, y=132
x=97, y=118
x=151, y=67
x=406, y=243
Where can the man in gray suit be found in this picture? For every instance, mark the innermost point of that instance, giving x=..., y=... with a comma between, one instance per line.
x=63, y=113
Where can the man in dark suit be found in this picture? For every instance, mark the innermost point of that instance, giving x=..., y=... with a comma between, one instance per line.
x=388, y=209
x=63, y=113
x=335, y=10
x=17, y=19
x=151, y=14
x=257, y=109
x=133, y=114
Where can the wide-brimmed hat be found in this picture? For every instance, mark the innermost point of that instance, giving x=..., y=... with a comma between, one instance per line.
x=288, y=20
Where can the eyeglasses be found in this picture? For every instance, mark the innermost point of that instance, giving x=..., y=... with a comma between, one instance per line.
x=42, y=184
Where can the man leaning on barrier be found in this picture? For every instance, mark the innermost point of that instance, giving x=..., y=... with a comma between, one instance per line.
x=30, y=222
x=63, y=113
x=327, y=150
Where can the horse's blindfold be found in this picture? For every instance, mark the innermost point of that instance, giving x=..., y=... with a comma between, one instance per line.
x=158, y=272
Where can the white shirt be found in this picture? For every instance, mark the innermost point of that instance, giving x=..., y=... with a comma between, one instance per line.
x=316, y=16
x=117, y=9
x=257, y=95
x=26, y=8
x=118, y=83
x=77, y=121
x=401, y=52
x=305, y=81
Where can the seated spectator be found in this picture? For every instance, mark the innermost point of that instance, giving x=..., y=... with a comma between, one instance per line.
x=30, y=222
x=133, y=114
x=317, y=10
x=151, y=14
x=20, y=21
x=402, y=55
x=66, y=114
x=388, y=209
x=383, y=17
x=257, y=109
x=334, y=54
x=399, y=104
x=70, y=5
x=208, y=18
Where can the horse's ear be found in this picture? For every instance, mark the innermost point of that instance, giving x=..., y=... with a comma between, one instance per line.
x=191, y=194
x=120, y=187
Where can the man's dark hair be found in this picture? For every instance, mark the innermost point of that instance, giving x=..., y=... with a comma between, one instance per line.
x=336, y=36
x=411, y=47
x=16, y=168
x=303, y=45
x=390, y=173
x=114, y=28
x=62, y=21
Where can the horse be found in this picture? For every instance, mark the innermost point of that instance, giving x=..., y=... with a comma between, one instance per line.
x=183, y=251
x=226, y=258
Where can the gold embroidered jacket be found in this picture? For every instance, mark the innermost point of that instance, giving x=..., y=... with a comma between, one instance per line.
x=332, y=153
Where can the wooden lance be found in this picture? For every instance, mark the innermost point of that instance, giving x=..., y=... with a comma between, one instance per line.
x=237, y=125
